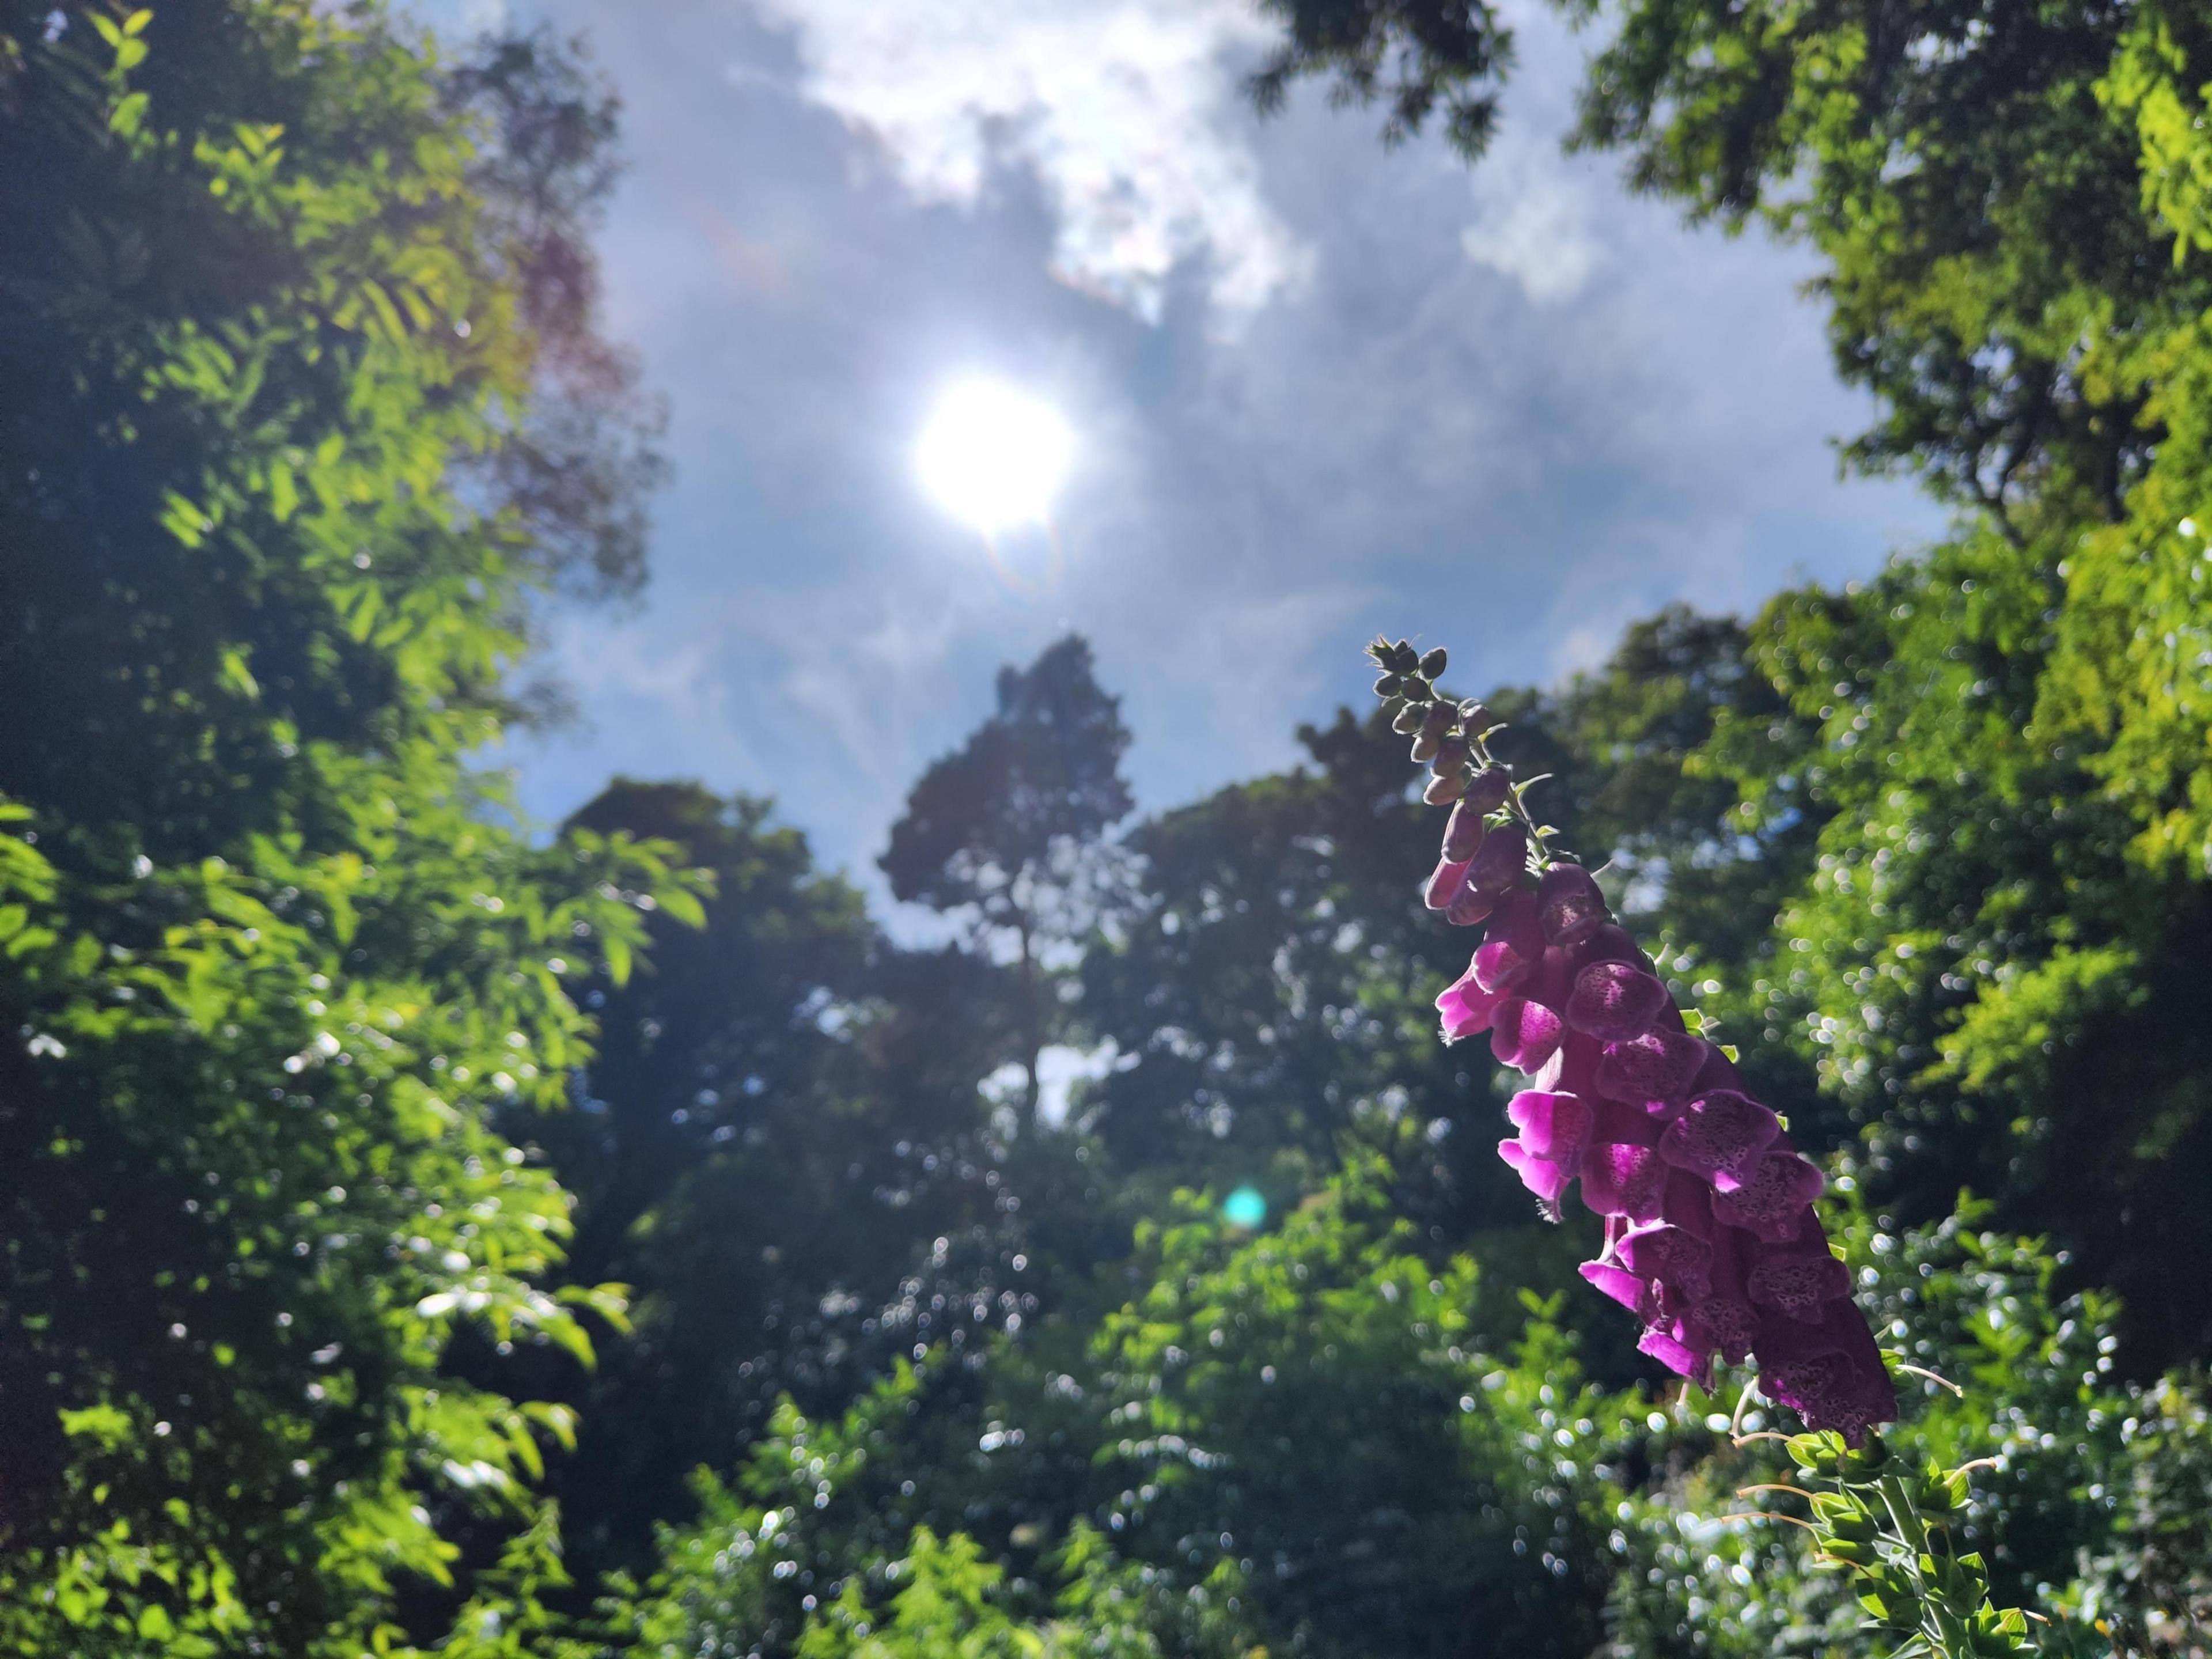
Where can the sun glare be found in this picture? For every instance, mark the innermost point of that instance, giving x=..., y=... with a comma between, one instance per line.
x=994, y=457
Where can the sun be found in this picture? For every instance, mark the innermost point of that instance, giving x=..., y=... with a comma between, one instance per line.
x=992, y=456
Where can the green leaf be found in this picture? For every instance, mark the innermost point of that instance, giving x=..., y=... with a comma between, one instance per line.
x=283, y=491
x=130, y=111
x=681, y=904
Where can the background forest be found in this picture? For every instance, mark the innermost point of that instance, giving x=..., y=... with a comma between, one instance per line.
x=426, y=1235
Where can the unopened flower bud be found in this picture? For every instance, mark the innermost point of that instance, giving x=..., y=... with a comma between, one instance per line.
x=1404, y=658
x=1444, y=787
x=1387, y=685
x=1476, y=715
x=1432, y=666
x=1472, y=906
x=1490, y=786
x=1451, y=755
x=1502, y=861
x=1425, y=745
x=1409, y=720
x=1464, y=831
x=1446, y=883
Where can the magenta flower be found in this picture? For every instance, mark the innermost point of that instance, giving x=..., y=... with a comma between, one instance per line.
x=1513, y=947
x=1466, y=1007
x=1711, y=1238
x=1464, y=829
x=1554, y=1132
x=1655, y=1066
x=1523, y=1033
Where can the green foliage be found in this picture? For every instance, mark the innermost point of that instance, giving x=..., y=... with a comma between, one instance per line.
x=276, y=965
x=751, y=1576
x=302, y=414
x=1300, y=1433
x=1971, y=949
x=1318, y=1402
x=1890, y=1532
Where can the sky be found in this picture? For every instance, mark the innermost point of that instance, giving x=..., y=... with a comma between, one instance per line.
x=1318, y=390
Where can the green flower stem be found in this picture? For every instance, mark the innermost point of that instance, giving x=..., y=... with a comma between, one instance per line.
x=1890, y=1532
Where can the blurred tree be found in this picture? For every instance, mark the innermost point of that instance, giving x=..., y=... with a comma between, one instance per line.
x=1010, y=829
x=1346, y=1471
x=781, y=1148
x=735, y=1578
x=781, y=1120
x=746, y=1009
x=577, y=468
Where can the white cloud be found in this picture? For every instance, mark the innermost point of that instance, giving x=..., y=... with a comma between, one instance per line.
x=1536, y=226
x=1538, y=211
x=1124, y=111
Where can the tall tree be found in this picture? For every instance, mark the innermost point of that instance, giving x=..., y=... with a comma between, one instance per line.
x=270, y=964
x=1009, y=830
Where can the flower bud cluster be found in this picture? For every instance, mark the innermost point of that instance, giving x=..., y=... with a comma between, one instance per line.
x=1448, y=737
x=1711, y=1238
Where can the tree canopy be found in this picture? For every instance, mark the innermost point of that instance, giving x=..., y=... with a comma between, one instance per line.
x=276, y=969
x=426, y=1235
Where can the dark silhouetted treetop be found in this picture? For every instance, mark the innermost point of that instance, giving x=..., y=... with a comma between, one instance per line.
x=1417, y=57
x=1010, y=827
x=1004, y=814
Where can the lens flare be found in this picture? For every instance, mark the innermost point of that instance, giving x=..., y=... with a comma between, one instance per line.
x=994, y=457
x=1244, y=1208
